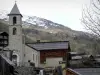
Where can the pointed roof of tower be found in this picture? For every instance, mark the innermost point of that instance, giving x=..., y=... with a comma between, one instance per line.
x=15, y=10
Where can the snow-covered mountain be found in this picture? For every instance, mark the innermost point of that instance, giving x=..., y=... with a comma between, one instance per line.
x=40, y=24
x=3, y=15
x=36, y=28
x=33, y=20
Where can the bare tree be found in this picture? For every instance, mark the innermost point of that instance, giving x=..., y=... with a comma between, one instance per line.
x=91, y=21
x=91, y=17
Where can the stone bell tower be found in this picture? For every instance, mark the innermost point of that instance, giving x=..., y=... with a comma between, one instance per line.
x=15, y=35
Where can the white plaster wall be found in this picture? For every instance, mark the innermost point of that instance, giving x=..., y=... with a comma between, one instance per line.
x=29, y=55
x=53, y=62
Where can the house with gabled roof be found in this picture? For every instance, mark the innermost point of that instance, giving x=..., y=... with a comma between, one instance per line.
x=51, y=53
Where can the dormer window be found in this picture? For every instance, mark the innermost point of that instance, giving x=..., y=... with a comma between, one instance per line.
x=14, y=20
x=14, y=31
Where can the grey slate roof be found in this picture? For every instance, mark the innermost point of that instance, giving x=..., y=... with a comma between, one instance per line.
x=88, y=71
x=15, y=10
x=3, y=33
x=50, y=45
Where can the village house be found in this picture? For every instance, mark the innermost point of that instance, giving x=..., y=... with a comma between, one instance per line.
x=51, y=53
x=3, y=39
x=42, y=54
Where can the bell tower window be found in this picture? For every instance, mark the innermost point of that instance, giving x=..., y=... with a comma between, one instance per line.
x=14, y=31
x=14, y=20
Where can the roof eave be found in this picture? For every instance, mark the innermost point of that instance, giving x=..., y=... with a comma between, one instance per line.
x=15, y=14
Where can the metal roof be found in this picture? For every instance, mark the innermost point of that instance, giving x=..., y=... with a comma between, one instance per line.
x=50, y=45
x=76, y=57
x=88, y=71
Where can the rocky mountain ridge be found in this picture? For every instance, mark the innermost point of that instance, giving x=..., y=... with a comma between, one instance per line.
x=41, y=24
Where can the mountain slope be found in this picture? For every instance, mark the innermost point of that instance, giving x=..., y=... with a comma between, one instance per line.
x=36, y=28
x=3, y=27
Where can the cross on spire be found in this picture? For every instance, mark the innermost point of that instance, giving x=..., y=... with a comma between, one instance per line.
x=15, y=1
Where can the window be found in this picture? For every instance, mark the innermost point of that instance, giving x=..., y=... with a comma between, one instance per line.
x=1, y=36
x=5, y=42
x=33, y=56
x=36, y=57
x=14, y=20
x=14, y=31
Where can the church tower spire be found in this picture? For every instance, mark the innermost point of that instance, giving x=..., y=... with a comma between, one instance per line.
x=15, y=17
x=15, y=34
x=15, y=10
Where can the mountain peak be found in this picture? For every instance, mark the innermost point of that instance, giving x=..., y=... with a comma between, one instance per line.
x=33, y=20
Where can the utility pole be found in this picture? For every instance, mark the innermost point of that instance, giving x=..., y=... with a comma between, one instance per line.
x=67, y=59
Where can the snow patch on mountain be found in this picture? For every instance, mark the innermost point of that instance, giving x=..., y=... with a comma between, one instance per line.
x=32, y=20
x=3, y=15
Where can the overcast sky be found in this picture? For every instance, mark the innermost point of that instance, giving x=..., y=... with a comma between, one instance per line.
x=66, y=12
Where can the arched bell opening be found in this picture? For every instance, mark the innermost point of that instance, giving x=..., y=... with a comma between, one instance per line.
x=14, y=20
